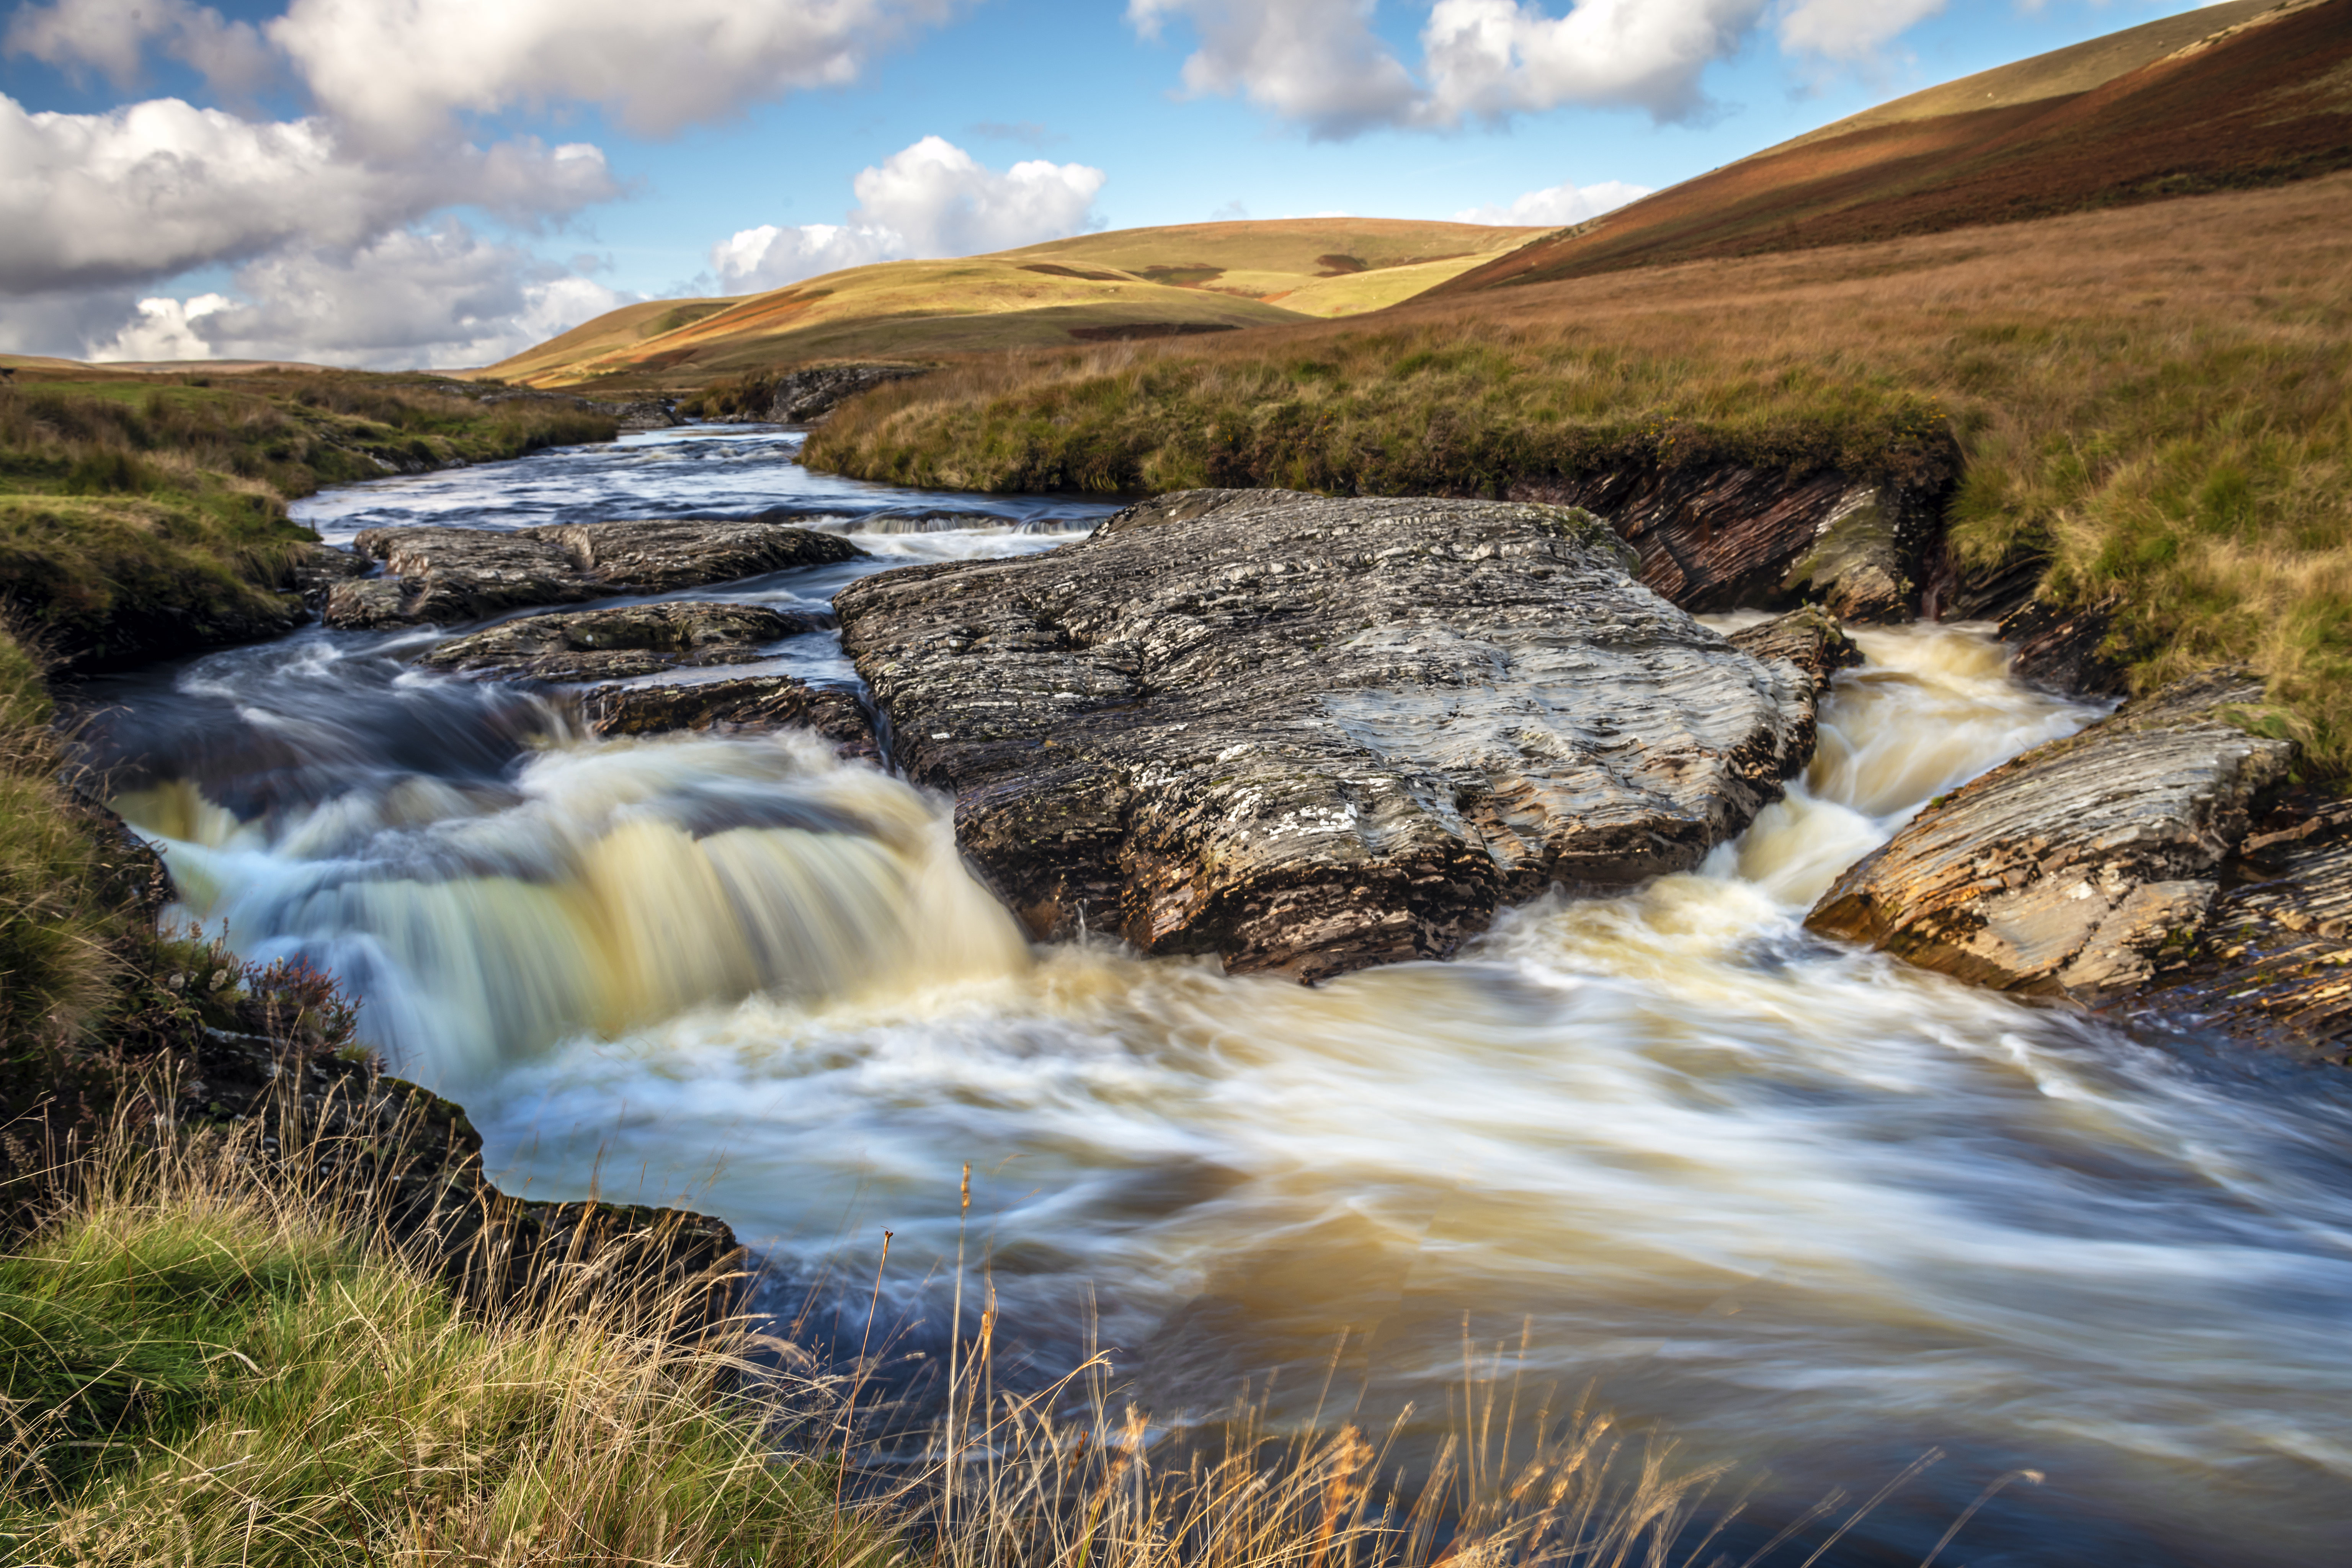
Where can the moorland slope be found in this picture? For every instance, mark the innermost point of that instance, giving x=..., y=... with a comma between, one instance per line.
x=1133, y=284
x=2230, y=96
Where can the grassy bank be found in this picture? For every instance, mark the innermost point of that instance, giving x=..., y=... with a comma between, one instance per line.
x=2155, y=404
x=142, y=516
x=206, y=1365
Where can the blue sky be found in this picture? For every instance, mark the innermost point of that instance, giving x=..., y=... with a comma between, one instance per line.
x=395, y=183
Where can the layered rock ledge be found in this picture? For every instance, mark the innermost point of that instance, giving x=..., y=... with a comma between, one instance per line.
x=1728, y=538
x=443, y=575
x=2087, y=867
x=1311, y=734
x=2278, y=945
x=754, y=702
x=618, y=643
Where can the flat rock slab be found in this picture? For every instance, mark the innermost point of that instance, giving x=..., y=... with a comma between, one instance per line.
x=753, y=703
x=1311, y=734
x=2087, y=866
x=620, y=643
x=445, y=576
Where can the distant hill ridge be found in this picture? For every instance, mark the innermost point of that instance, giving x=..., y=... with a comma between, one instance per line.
x=2234, y=95
x=1131, y=283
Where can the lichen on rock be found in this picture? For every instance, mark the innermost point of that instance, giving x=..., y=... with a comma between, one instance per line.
x=1311, y=735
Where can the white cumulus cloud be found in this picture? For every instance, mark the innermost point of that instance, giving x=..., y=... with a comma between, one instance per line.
x=1322, y=64
x=1317, y=62
x=946, y=202
x=932, y=198
x=1851, y=29
x=113, y=35
x=1557, y=206
x=157, y=187
x=400, y=68
x=418, y=296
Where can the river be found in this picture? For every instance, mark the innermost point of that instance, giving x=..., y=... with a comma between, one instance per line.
x=1805, y=1208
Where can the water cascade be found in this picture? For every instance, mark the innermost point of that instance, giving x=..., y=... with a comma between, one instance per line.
x=1805, y=1207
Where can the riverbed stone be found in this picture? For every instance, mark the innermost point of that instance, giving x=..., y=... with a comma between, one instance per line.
x=446, y=575
x=625, y=641
x=1311, y=735
x=748, y=703
x=1810, y=645
x=2276, y=959
x=2086, y=867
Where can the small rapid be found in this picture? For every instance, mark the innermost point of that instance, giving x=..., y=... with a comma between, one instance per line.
x=1806, y=1208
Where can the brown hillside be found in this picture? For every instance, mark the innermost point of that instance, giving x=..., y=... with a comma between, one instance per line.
x=2261, y=94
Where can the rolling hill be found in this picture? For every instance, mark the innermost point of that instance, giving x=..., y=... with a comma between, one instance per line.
x=2230, y=96
x=1135, y=283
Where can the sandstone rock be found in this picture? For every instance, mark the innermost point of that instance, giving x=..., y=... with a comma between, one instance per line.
x=1809, y=639
x=620, y=643
x=751, y=703
x=442, y=576
x=2058, y=647
x=2083, y=867
x=1811, y=646
x=1311, y=734
x=2277, y=954
x=1724, y=538
x=1857, y=566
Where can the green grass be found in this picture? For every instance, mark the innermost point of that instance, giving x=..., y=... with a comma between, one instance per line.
x=205, y=1365
x=139, y=518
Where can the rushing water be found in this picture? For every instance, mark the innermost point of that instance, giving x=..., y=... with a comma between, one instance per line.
x=1804, y=1208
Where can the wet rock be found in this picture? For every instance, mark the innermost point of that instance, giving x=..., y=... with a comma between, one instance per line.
x=2059, y=647
x=1811, y=639
x=806, y=396
x=1715, y=538
x=2277, y=953
x=620, y=643
x=321, y=567
x=1312, y=734
x=2084, y=866
x=1858, y=564
x=750, y=703
x=443, y=575
x=1811, y=646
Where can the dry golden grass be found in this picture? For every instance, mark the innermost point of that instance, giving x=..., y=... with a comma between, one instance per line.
x=2157, y=400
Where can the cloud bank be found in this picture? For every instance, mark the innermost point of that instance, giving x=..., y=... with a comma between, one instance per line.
x=329, y=217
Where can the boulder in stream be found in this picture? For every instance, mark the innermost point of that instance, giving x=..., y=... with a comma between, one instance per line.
x=2085, y=867
x=441, y=576
x=1311, y=735
x=751, y=703
x=622, y=642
